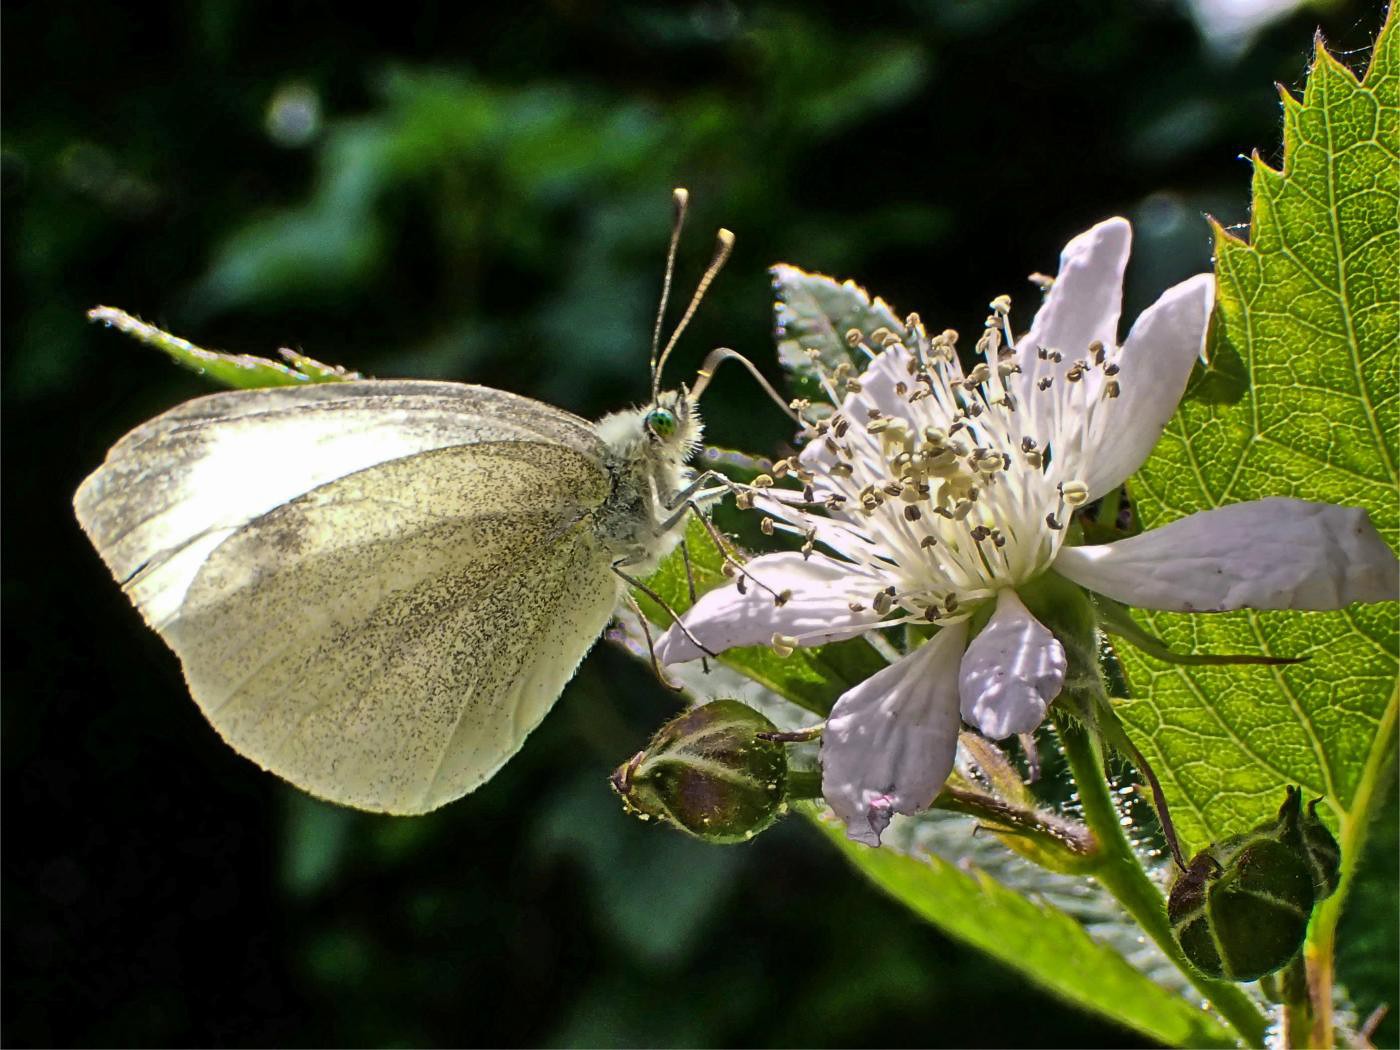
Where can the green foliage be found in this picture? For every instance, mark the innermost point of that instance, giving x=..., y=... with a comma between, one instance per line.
x=1033, y=937
x=240, y=371
x=1300, y=400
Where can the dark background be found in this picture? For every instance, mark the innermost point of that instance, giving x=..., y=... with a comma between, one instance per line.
x=442, y=190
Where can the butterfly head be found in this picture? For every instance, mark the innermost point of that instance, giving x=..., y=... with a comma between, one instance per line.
x=673, y=422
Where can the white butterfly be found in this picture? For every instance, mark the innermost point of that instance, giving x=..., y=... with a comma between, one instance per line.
x=377, y=589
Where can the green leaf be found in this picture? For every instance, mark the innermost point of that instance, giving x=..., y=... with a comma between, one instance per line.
x=242, y=371
x=814, y=312
x=811, y=678
x=1305, y=334
x=1033, y=937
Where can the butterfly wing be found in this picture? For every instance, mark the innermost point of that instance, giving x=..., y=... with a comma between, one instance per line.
x=175, y=488
x=386, y=639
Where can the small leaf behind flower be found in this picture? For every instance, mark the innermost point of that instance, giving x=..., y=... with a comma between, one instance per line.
x=814, y=312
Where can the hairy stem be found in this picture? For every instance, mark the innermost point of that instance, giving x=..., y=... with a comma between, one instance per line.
x=1319, y=950
x=1122, y=874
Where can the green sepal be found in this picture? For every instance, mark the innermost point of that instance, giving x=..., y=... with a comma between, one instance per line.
x=1116, y=620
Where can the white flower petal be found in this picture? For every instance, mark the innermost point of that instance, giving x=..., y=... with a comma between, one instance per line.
x=1267, y=554
x=1084, y=302
x=1011, y=672
x=1155, y=363
x=889, y=743
x=821, y=590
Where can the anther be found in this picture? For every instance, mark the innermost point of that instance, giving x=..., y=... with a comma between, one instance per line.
x=927, y=542
x=854, y=336
x=1075, y=493
x=1044, y=384
x=766, y=526
x=912, y=513
x=763, y=481
x=782, y=598
x=783, y=644
x=1054, y=522
x=1110, y=389
x=743, y=500
x=855, y=607
x=980, y=533
x=883, y=603
x=1096, y=352
x=1001, y=305
x=1111, y=370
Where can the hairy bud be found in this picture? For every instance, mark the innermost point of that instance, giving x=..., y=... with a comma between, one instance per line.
x=708, y=772
x=1241, y=908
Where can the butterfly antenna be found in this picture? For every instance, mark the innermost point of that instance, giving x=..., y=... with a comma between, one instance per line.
x=721, y=354
x=679, y=198
x=724, y=244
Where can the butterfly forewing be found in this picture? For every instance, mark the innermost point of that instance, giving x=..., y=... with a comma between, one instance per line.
x=174, y=488
x=384, y=637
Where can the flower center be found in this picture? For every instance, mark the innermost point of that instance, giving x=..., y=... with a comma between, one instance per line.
x=945, y=480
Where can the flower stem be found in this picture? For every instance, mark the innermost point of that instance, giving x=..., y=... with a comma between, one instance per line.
x=1121, y=873
x=803, y=784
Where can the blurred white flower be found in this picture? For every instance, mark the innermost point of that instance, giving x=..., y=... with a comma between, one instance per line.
x=931, y=492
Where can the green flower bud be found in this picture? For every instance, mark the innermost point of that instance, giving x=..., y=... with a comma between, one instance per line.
x=1241, y=908
x=708, y=772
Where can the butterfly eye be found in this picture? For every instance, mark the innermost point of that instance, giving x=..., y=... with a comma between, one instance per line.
x=661, y=422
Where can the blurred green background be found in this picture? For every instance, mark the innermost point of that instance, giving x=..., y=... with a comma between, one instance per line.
x=443, y=190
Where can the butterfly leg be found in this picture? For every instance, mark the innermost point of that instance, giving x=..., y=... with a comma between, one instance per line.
x=632, y=581
x=696, y=491
x=722, y=545
x=690, y=587
x=651, y=645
